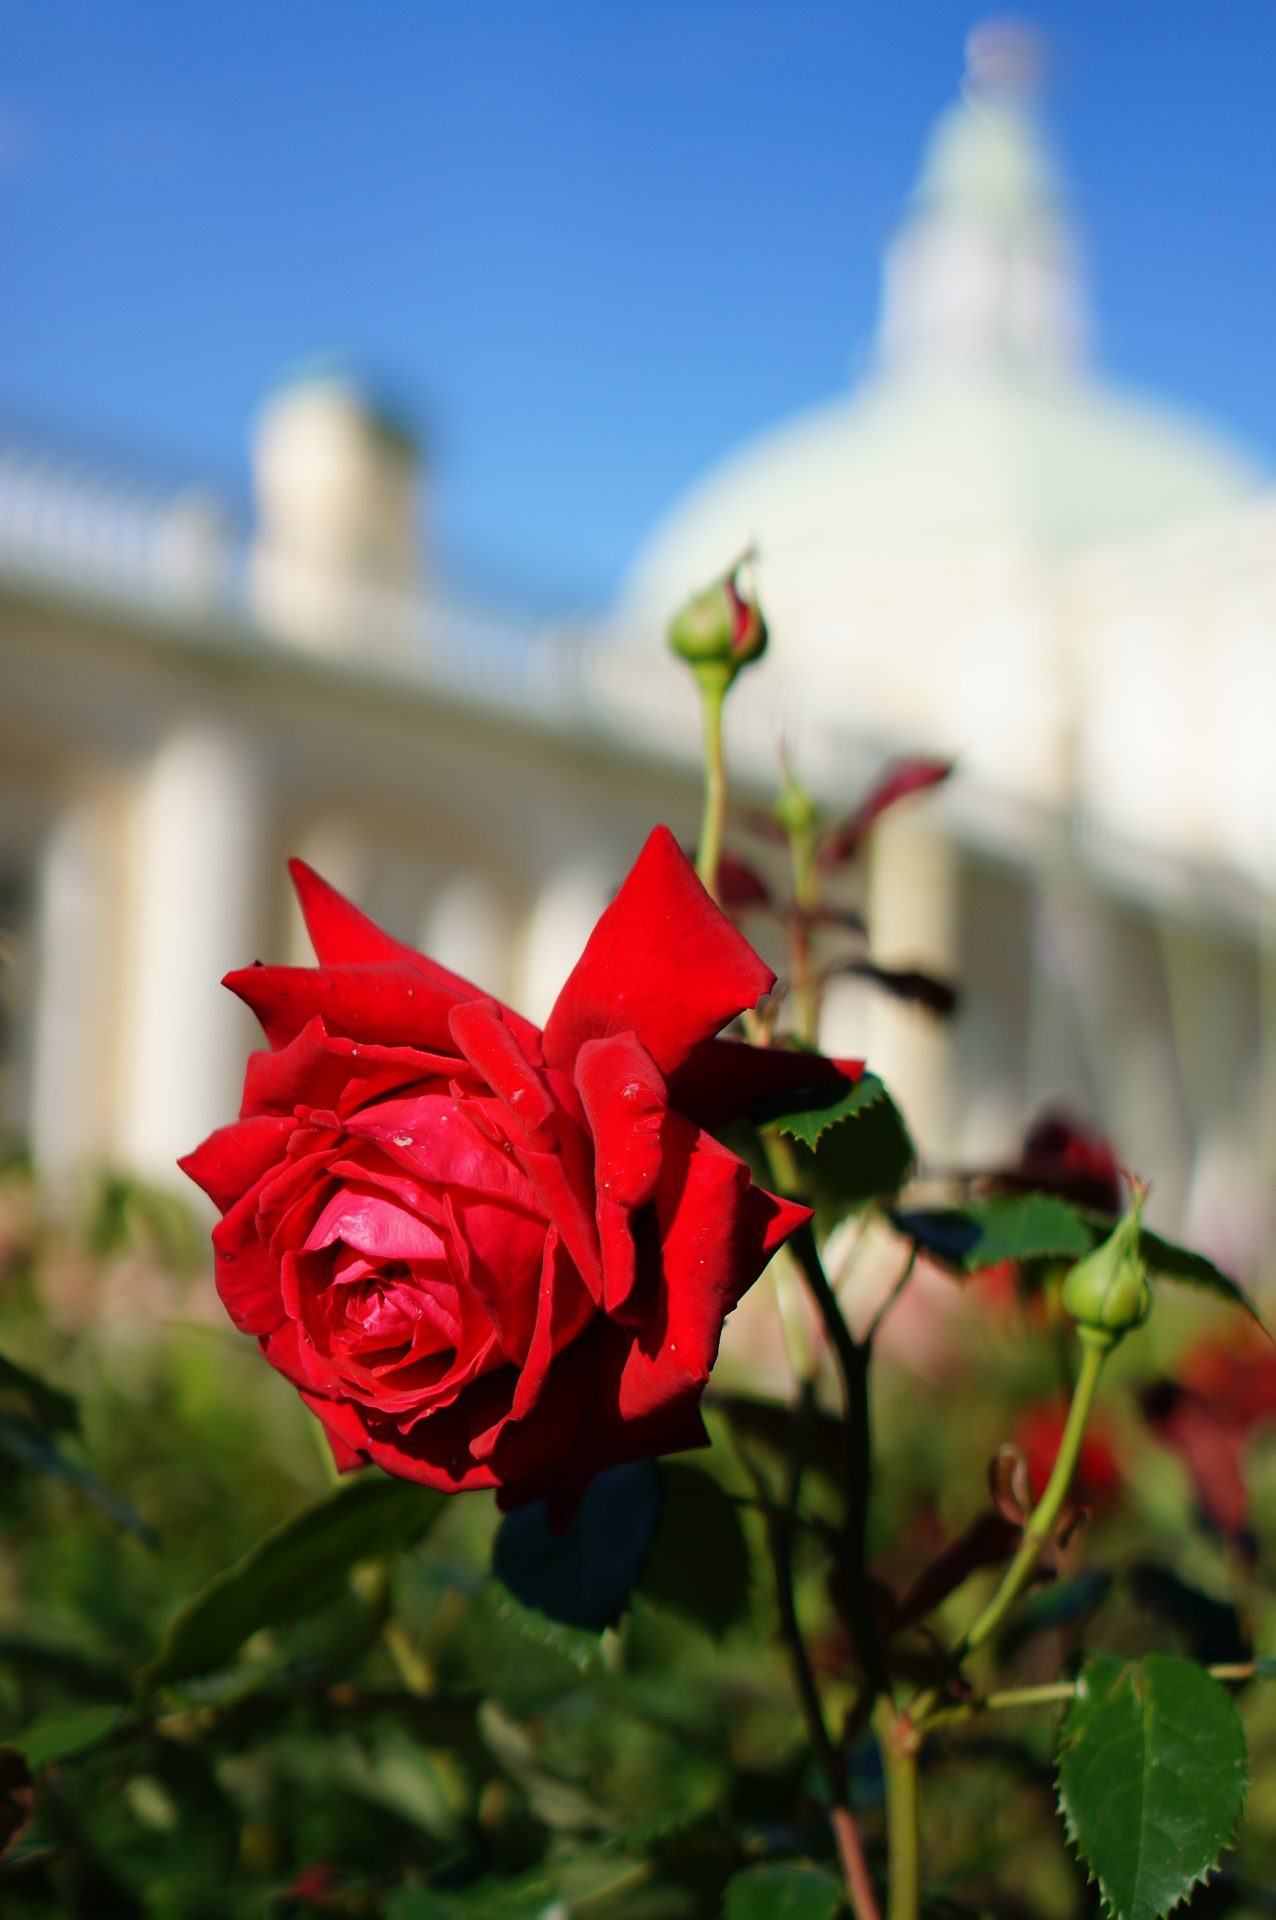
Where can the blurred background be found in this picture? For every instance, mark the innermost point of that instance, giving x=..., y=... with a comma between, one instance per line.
x=373, y=389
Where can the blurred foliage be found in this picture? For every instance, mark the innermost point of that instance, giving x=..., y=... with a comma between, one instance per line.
x=417, y=1744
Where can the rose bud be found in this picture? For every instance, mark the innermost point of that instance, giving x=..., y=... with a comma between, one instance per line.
x=795, y=812
x=488, y=1256
x=1107, y=1292
x=720, y=628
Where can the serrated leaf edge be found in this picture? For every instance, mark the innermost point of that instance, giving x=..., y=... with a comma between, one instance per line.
x=781, y=1125
x=1070, y=1831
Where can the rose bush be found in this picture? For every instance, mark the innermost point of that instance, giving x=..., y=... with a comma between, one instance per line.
x=487, y=1255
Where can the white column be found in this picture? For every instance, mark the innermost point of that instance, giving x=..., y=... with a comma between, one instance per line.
x=195, y=915
x=469, y=928
x=913, y=923
x=75, y=1021
x=565, y=914
x=337, y=851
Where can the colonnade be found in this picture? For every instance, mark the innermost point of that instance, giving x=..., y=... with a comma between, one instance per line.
x=151, y=888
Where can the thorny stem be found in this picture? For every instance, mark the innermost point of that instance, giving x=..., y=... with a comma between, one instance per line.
x=781, y=1527
x=899, y=1744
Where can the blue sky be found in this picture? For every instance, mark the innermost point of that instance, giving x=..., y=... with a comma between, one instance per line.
x=594, y=242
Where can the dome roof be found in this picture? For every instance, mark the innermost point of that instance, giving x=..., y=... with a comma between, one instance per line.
x=980, y=424
x=954, y=456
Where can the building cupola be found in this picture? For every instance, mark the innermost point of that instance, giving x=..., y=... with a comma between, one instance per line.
x=336, y=475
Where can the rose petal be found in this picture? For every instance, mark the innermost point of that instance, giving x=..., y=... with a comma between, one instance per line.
x=492, y=1050
x=563, y=1309
x=663, y=962
x=319, y=1069
x=623, y=1093
x=389, y=1005
x=342, y=935
x=235, y=1157
x=432, y=1138
x=717, y=1233
x=375, y=1225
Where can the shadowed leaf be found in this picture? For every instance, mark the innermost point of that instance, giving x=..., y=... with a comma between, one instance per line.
x=583, y=1577
x=699, y=1564
x=822, y=1108
x=783, y=1893
x=55, y=1736
x=23, y=1442
x=48, y=1407
x=292, y=1570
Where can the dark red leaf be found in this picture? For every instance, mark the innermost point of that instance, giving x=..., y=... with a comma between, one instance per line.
x=1010, y=1483
x=990, y=1540
x=922, y=989
x=1060, y=1156
x=1211, y=1443
x=739, y=886
x=17, y=1798
x=1097, y=1480
x=906, y=777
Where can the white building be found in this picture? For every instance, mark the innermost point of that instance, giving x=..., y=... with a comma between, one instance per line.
x=983, y=551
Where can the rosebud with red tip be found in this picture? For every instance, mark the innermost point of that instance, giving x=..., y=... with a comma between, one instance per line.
x=720, y=627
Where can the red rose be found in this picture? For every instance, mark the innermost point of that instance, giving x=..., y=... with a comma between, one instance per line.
x=487, y=1256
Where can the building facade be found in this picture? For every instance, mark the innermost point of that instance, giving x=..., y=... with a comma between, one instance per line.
x=983, y=551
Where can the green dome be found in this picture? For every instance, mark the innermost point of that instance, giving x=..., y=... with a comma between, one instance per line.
x=951, y=456
x=981, y=423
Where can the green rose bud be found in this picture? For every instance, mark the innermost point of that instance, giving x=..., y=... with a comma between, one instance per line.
x=1108, y=1292
x=720, y=627
x=795, y=811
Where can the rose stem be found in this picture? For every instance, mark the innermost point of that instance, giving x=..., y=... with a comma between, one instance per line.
x=853, y=1358
x=1096, y=1347
x=1043, y=1517
x=806, y=898
x=781, y=1526
x=896, y=1738
x=713, y=681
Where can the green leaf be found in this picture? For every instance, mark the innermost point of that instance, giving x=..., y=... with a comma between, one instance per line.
x=524, y=1894
x=55, y=1736
x=292, y=1570
x=699, y=1564
x=1030, y=1226
x=811, y=1122
x=23, y=1442
x=1040, y=1226
x=48, y=1406
x=783, y=1893
x=1180, y=1264
x=1152, y=1776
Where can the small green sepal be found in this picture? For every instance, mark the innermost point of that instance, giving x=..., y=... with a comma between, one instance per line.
x=1107, y=1293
